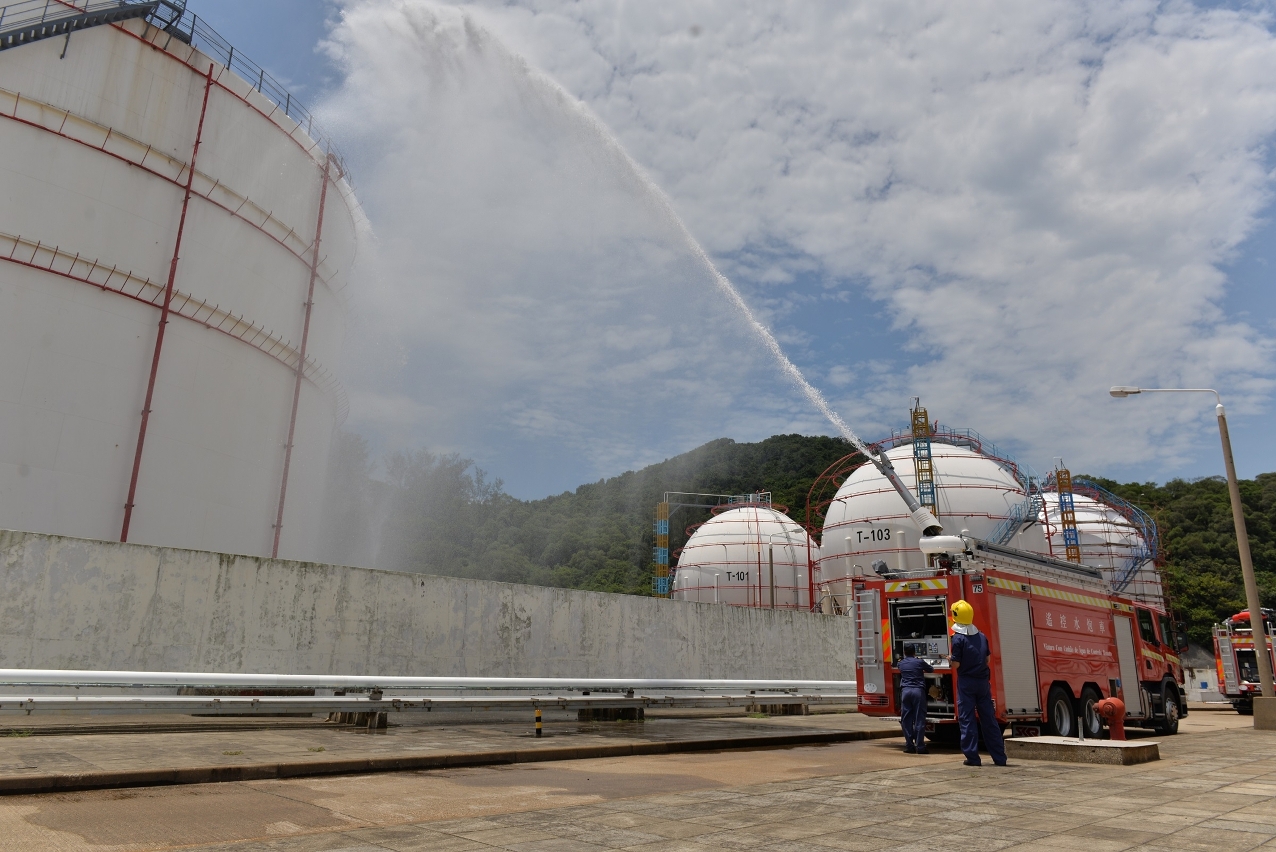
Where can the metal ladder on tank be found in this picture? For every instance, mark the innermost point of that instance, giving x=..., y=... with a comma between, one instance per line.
x=923, y=461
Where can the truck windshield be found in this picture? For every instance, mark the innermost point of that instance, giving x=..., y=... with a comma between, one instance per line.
x=1247, y=666
x=1146, y=630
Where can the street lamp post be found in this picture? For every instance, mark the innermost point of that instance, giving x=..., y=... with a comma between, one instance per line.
x=1256, y=621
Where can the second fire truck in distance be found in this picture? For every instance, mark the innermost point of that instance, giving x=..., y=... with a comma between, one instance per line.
x=1060, y=641
x=1236, y=661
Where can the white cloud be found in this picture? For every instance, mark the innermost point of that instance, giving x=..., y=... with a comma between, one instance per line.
x=523, y=292
x=1039, y=194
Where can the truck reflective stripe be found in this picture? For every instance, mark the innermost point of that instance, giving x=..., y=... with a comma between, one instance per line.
x=1057, y=594
x=932, y=584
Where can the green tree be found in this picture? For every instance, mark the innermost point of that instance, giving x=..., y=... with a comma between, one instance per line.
x=1201, y=569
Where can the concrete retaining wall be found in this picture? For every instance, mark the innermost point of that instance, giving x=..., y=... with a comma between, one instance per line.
x=77, y=603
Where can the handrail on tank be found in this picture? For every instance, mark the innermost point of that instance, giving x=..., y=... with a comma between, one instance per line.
x=172, y=17
x=1022, y=513
x=190, y=28
x=968, y=438
x=837, y=473
x=1148, y=546
x=24, y=11
x=29, y=21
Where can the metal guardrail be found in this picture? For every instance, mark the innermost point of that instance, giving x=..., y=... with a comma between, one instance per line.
x=140, y=692
x=1148, y=543
x=137, y=679
x=241, y=705
x=35, y=20
x=32, y=20
x=194, y=30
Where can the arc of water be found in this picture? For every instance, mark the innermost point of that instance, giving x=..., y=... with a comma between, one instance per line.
x=787, y=367
x=921, y=516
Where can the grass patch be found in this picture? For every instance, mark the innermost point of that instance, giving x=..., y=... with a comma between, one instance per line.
x=320, y=748
x=759, y=715
x=232, y=753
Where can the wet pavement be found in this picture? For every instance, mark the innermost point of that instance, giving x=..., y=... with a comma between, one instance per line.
x=1214, y=789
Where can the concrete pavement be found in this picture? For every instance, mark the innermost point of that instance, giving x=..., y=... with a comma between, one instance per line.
x=1214, y=789
x=74, y=754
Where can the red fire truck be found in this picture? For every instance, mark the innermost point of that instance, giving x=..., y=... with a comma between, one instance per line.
x=1236, y=661
x=1060, y=641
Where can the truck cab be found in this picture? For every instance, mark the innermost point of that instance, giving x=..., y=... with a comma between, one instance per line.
x=1236, y=658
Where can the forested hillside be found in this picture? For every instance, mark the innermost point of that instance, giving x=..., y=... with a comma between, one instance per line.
x=440, y=515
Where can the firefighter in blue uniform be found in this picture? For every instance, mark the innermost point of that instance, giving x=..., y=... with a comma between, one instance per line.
x=912, y=687
x=974, y=694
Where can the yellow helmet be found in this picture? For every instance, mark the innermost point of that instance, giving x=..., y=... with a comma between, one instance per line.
x=963, y=613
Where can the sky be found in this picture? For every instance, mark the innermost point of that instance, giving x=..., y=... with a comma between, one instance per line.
x=1001, y=208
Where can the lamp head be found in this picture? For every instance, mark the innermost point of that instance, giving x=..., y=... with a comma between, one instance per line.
x=1121, y=391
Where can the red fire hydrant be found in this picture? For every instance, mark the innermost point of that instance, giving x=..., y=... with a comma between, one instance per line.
x=1112, y=710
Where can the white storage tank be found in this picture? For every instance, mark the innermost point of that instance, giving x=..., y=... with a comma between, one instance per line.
x=98, y=133
x=1109, y=541
x=868, y=521
x=728, y=560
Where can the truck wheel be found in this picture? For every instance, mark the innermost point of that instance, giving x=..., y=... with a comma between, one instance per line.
x=1169, y=725
x=1060, y=719
x=1089, y=715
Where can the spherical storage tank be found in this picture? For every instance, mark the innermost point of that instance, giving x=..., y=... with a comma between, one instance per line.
x=139, y=172
x=1108, y=541
x=867, y=521
x=728, y=560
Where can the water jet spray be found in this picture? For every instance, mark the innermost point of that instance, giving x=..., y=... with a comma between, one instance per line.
x=925, y=520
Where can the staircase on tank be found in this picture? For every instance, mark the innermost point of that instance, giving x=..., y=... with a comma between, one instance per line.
x=35, y=20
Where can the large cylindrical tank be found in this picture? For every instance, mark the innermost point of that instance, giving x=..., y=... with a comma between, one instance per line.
x=868, y=521
x=98, y=134
x=728, y=559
